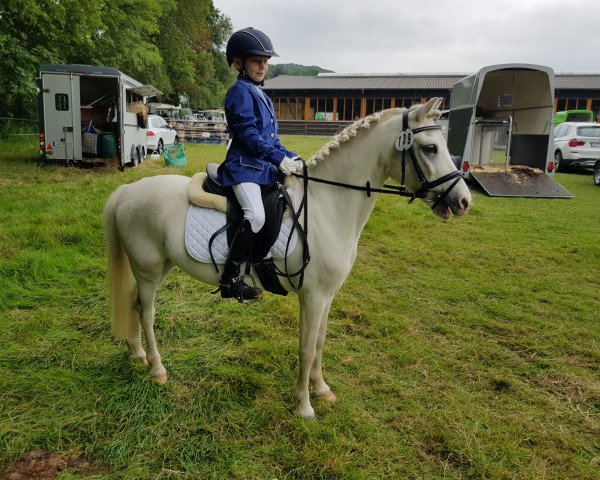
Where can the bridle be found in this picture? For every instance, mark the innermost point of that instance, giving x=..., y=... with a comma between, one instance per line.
x=404, y=143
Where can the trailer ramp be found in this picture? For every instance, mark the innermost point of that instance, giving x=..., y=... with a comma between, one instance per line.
x=517, y=181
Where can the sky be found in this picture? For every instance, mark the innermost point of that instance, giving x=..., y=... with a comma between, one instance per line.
x=395, y=36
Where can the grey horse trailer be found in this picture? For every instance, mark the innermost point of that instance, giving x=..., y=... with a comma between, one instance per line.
x=87, y=113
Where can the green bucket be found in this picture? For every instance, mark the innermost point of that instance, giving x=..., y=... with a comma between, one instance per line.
x=109, y=145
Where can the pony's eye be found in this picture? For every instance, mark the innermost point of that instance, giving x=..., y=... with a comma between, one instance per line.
x=430, y=149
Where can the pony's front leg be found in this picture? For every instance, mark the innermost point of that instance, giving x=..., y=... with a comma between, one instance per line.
x=312, y=307
x=145, y=306
x=319, y=388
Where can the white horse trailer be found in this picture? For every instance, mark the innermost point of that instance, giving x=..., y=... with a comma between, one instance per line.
x=89, y=112
x=500, y=130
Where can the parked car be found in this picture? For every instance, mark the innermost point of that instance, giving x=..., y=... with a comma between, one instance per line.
x=597, y=173
x=576, y=144
x=159, y=134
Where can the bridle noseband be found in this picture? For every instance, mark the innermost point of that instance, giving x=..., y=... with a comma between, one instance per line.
x=404, y=143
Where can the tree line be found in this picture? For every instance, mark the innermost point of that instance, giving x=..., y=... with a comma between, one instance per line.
x=175, y=45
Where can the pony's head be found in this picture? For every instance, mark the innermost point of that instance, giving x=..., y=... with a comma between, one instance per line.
x=421, y=161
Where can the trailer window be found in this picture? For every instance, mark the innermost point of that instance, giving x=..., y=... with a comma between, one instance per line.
x=61, y=101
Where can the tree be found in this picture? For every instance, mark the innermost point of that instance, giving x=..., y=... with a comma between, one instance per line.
x=172, y=44
x=190, y=43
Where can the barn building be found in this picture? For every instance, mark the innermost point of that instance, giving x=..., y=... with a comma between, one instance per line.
x=323, y=104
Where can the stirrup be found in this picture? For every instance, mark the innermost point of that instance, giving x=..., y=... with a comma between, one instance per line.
x=237, y=288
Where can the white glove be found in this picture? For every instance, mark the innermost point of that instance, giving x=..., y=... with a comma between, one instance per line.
x=289, y=166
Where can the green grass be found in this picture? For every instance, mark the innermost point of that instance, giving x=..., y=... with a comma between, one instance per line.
x=463, y=349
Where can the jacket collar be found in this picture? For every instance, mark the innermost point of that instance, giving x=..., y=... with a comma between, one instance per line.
x=256, y=90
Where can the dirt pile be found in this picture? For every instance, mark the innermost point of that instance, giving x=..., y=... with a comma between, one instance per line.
x=43, y=465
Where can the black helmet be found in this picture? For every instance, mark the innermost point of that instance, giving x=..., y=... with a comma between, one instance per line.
x=247, y=42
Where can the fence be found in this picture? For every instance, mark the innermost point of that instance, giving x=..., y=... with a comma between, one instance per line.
x=200, y=131
x=313, y=127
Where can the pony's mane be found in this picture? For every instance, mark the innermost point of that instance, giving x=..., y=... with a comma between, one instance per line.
x=352, y=130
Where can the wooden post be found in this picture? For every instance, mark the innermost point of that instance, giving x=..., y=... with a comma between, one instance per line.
x=307, y=109
x=335, y=109
x=363, y=107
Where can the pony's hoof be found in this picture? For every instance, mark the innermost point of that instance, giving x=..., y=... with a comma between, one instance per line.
x=328, y=396
x=307, y=414
x=159, y=375
x=142, y=358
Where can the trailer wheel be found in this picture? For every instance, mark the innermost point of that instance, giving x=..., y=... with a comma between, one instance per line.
x=135, y=157
x=140, y=153
x=597, y=174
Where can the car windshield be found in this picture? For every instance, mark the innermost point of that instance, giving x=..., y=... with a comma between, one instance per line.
x=588, y=132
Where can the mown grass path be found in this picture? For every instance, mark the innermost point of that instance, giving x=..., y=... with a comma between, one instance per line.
x=459, y=349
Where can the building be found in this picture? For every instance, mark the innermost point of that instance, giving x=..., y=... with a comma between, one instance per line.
x=324, y=103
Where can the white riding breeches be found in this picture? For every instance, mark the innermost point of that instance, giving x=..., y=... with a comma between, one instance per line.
x=250, y=198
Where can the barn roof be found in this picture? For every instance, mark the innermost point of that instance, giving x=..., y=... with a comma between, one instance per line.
x=408, y=81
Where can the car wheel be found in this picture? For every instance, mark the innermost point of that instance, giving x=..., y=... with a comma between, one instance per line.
x=161, y=147
x=559, y=163
x=176, y=141
x=597, y=174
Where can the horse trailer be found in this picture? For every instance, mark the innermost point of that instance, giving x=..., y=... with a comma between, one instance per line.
x=500, y=130
x=89, y=112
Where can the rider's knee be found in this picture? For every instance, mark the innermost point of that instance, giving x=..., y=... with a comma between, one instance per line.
x=257, y=221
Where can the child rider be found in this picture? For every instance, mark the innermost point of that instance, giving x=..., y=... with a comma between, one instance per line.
x=255, y=152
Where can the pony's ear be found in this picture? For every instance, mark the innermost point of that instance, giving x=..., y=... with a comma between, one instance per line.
x=429, y=110
x=424, y=110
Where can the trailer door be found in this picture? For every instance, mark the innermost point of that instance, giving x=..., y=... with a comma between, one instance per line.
x=62, y=116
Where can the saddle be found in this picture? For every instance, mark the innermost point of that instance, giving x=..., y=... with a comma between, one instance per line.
x=205, y=190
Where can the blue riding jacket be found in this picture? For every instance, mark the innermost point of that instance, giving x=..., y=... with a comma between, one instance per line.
x=255, y=151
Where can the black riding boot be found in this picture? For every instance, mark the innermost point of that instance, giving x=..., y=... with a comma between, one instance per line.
x=232, y=281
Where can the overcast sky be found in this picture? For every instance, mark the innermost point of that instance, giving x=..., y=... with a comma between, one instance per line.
x=386, y=36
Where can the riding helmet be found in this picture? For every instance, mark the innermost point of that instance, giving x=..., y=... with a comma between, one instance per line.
x=247, y=42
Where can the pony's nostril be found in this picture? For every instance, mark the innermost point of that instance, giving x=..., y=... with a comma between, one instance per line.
x=464, y=203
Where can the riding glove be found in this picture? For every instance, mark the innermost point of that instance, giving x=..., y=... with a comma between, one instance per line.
x=290, y=165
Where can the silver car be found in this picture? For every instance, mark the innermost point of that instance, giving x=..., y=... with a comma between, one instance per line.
x=576, y=144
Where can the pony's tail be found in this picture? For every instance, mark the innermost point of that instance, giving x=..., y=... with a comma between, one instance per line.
x=122, y=287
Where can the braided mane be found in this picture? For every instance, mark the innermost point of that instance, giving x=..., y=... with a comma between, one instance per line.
x=351, y=131
x=365, y=123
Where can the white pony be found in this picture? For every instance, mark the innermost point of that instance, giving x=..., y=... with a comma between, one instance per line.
x=144, y=227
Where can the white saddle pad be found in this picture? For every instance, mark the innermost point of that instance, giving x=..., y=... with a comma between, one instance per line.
x=201, y=224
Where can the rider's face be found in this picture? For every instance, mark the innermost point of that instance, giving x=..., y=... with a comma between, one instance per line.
x=256, y=67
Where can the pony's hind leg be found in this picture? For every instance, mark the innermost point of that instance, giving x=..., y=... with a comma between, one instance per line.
x=147, y=286
x=134, y=341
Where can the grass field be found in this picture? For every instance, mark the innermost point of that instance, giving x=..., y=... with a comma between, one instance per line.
x=466, y=349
